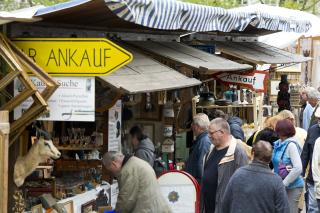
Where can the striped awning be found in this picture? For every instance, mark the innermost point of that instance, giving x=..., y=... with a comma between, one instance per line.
x=176, y=15
x=167, y=15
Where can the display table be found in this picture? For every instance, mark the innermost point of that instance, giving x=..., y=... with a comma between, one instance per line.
x=85, y=197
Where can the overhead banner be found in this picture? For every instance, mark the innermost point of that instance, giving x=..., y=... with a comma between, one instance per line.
x=254, y=80
x=75, y=56
x=72, y=101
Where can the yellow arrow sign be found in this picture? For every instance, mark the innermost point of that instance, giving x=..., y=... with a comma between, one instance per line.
x=75, y=56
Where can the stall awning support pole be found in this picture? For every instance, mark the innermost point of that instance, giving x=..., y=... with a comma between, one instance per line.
x=4, y=154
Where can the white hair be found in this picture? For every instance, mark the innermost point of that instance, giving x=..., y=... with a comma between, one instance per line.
x=201, y=120
x=110, y=156
x=313, y=94
x=222, y=124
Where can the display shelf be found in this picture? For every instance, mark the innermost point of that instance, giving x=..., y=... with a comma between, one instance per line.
x=228, y=106
x=77, y=148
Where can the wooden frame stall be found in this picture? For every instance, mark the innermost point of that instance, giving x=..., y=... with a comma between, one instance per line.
x=4, y=155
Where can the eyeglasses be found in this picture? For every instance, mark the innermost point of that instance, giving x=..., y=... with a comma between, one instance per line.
x=212, y=133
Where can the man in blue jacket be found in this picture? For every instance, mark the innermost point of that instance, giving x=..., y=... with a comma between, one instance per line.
x=200, y=147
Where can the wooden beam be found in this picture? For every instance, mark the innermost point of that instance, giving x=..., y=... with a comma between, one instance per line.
x=4, y=150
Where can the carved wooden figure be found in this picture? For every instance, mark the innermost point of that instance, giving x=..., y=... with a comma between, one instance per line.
x=40, y=152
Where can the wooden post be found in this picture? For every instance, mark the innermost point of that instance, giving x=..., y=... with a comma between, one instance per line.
x=4, y=150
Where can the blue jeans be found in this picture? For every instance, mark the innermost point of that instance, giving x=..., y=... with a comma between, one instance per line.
x=312, y=201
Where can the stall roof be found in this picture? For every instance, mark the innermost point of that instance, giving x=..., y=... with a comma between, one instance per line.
x=144, y=74
x=259, y=53
x=190, y=56
x=166, y=15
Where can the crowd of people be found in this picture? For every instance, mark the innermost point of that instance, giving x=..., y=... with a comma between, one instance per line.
x=282, y=174
x=277, y=169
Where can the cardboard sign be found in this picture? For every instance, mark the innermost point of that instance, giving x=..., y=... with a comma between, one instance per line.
x=254, y=80
x=75, y=56
x=72, y=101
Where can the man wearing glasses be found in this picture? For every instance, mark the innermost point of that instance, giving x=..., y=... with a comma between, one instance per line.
x=225, y=156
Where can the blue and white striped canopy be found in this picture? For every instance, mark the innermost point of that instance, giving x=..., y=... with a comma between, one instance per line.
x=175, y=15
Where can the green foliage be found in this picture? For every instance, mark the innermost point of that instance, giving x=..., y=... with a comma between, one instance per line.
x=291, y=4
x=304, y=5
x=9, y=5
x=215, y=3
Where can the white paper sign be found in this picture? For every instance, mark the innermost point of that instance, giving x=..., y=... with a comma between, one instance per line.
x=74, y=100
x=114, y=129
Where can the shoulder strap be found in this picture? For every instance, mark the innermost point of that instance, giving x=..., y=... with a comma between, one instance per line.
x=285, y=150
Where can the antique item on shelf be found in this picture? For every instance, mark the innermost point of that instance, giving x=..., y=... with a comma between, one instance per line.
x=102, y=199
x=69, y=206
x=168, y=146
x=222, y=102
x=88, y=207
x=37, y=209
x=168, y=111
x=206, y=99
x=167, y=130
x=244, y=93
x=19, y=203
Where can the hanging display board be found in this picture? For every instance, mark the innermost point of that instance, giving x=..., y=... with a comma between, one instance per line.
x=254, y=80
x=72, y=101
x=114, y=128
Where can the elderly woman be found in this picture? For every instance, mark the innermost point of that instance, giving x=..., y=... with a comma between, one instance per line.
x=301, y=134
x=287, y=163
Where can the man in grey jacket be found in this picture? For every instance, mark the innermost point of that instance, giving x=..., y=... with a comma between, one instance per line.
x=255, y=188
x=142, y=145
x=226, y=155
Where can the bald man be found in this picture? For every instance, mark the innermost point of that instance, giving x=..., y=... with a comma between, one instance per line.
x=255, y=188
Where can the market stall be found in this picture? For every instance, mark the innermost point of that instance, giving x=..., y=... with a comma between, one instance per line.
x=154, y=90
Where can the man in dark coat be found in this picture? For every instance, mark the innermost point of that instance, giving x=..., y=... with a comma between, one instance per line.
x=306, y=158
x=255, y=188
x=200, y=147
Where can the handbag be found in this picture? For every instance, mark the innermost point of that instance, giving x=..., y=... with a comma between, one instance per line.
x=282, y=168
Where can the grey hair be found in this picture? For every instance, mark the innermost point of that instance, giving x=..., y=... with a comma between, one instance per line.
x=313, y=94
x=222, y=124
x=110, y=156
x=201, y=120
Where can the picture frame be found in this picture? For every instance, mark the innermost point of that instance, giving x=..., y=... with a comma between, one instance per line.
x=88, y=206
x=37, y=209
x=69, y=206
x=148, y=129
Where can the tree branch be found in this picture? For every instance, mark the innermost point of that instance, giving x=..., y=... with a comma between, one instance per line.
x=312, y=5
x=304, y=5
